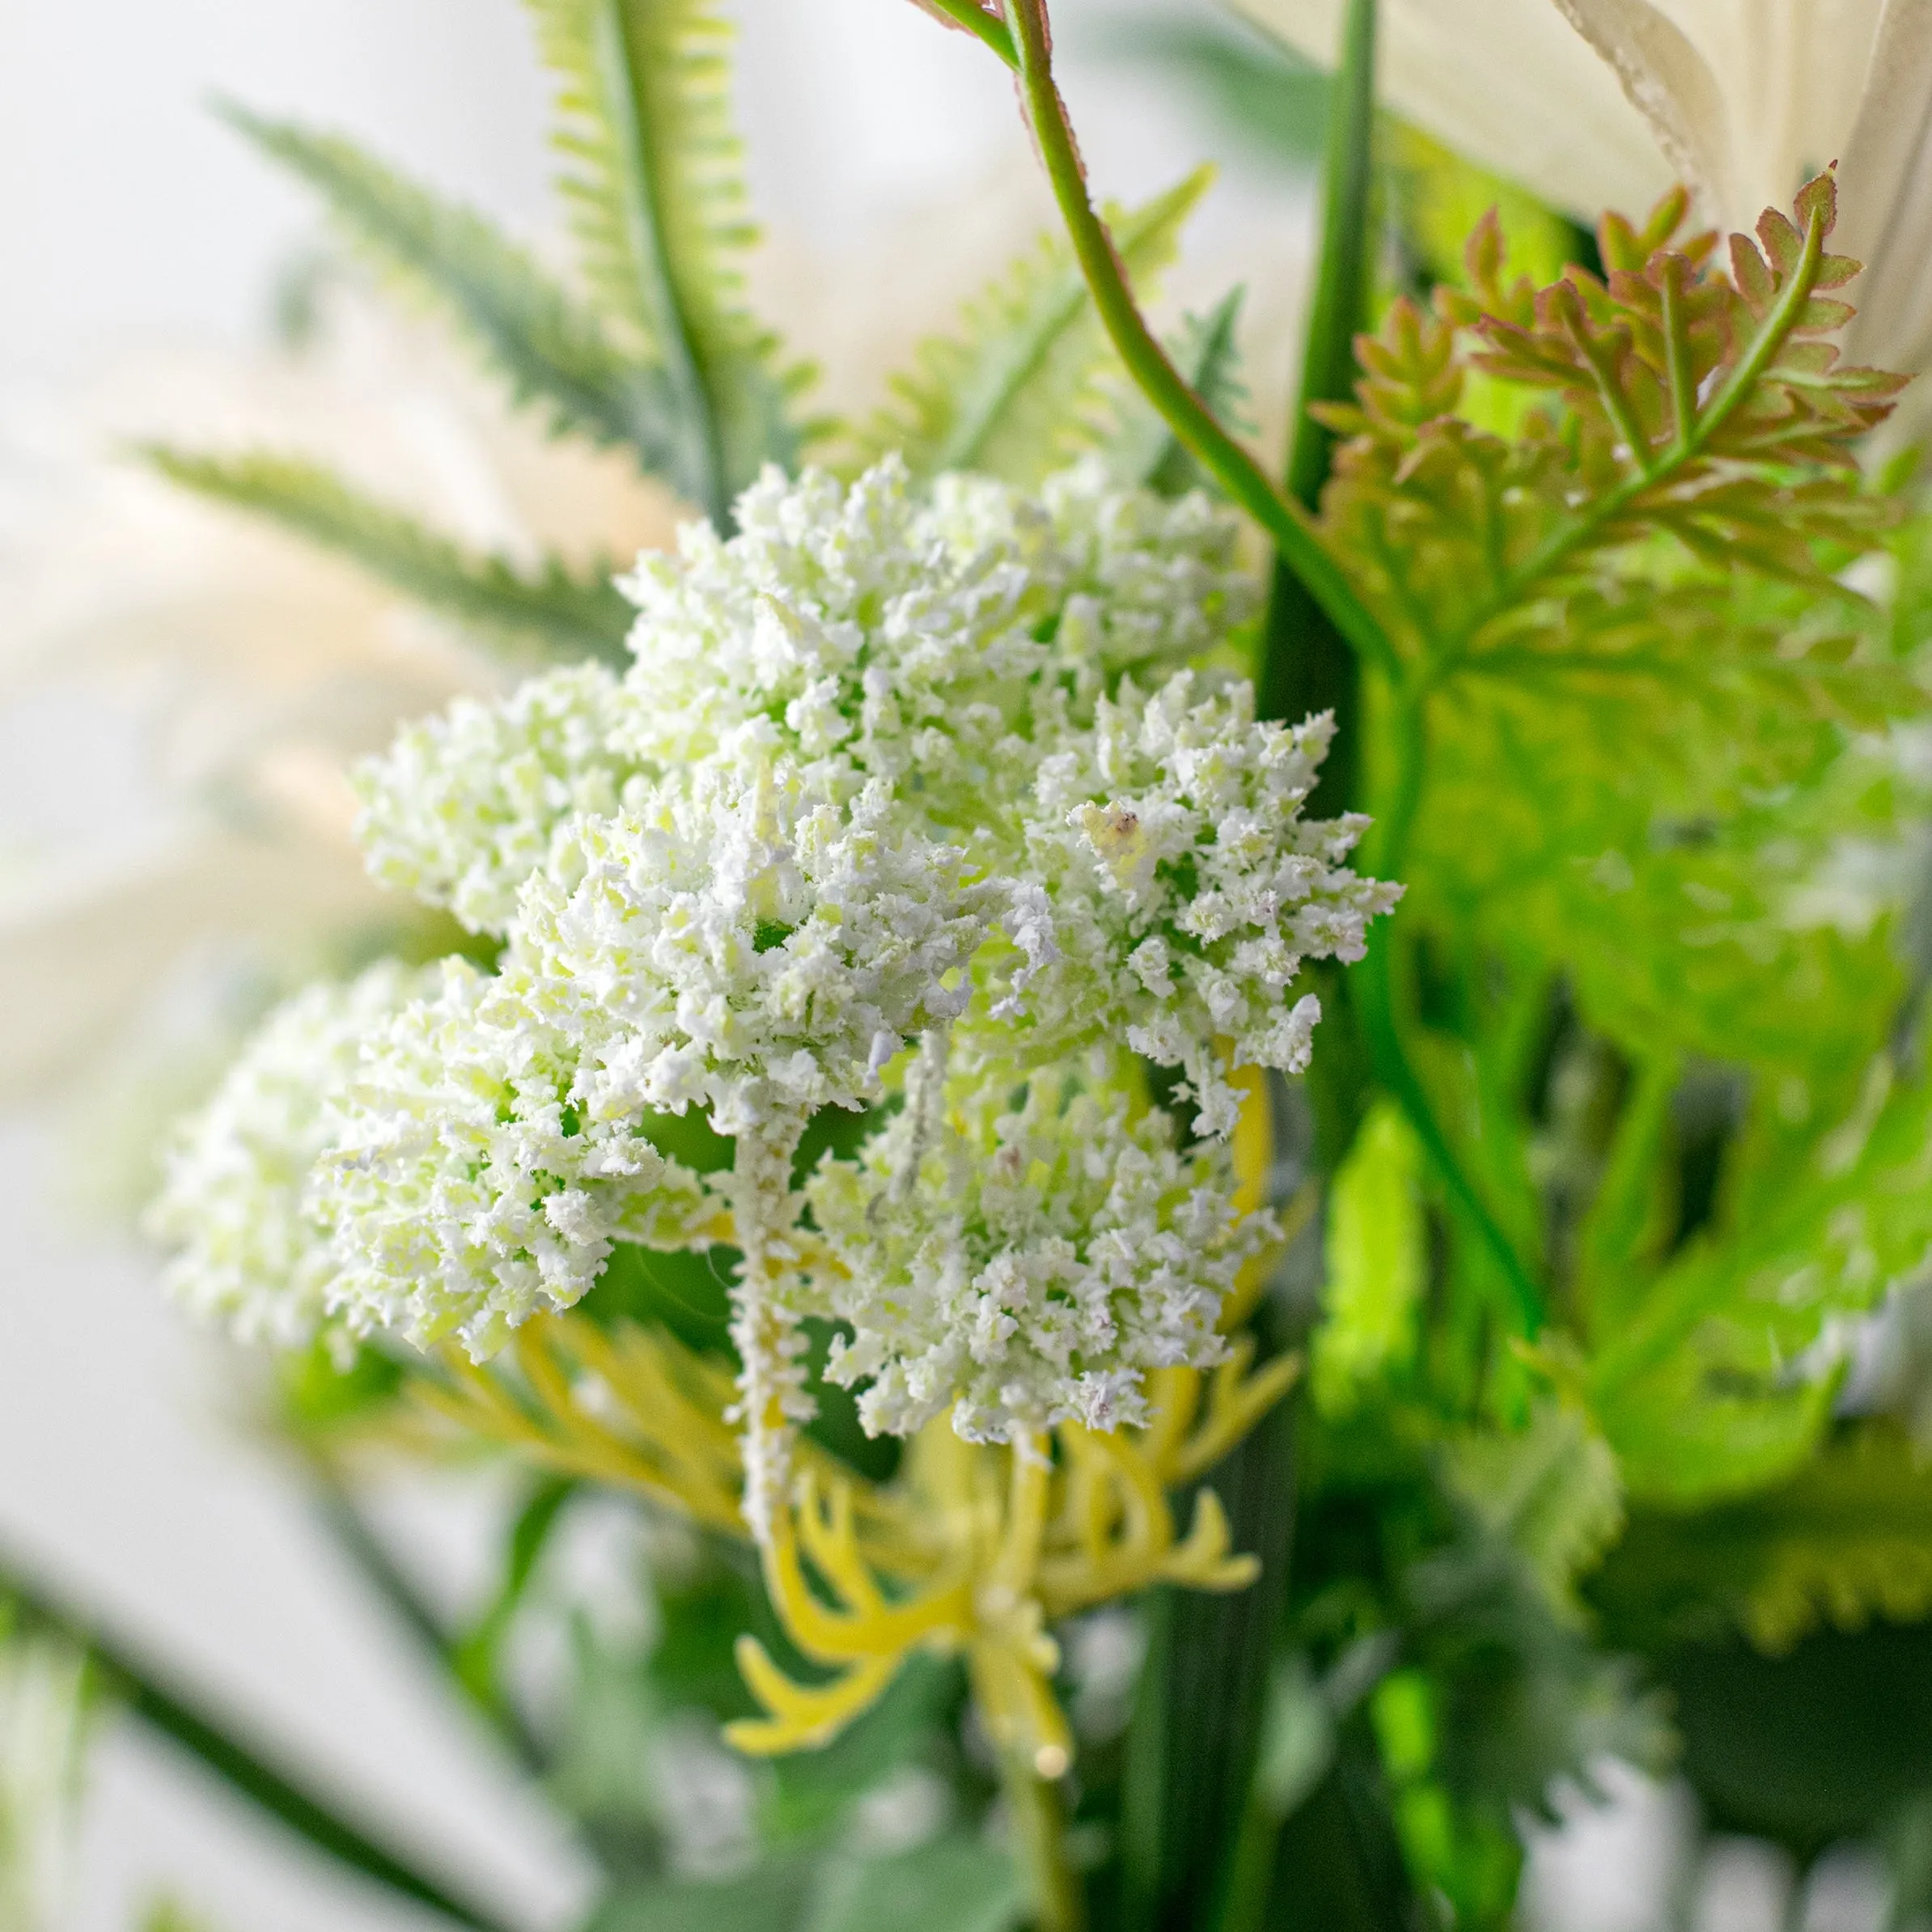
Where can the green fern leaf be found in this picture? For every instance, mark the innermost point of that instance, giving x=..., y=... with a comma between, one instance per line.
x=1143, y=450
x=1846, y=1541
x=655, y=182
x=1019, y=393
x=1552, y=1491
x=555, y=611
x=549, y=347
x=1699, y=1378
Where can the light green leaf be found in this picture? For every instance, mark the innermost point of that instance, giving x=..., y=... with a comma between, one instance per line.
x=1552, y=1491
x=558, y=612
x=953, y=1884
x=1143, y=450
x=549, y=346
x=1020, y=391
x=1377, y=1257
x=656, y=185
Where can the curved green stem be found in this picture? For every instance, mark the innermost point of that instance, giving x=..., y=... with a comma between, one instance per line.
x=974, y=19
x=1381, y=1027
x=1147, y=362
x=1038, y=1821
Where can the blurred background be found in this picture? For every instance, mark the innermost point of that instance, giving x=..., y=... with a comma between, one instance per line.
x=158, y=274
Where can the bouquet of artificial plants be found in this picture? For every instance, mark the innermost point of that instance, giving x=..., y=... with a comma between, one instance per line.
x=1206, y=1153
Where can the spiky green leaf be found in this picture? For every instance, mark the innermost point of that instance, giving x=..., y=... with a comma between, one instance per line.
x=1021, y=389
x=655, y=179
x=561, y=613
x=550, y=348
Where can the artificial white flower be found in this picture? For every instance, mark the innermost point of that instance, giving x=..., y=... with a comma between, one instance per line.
x=1600, y=103
x=743, y=942
x=1027, y=1272
x=1184, y=890
x=246, y=1250
x=464, y=807
x=464, y=1186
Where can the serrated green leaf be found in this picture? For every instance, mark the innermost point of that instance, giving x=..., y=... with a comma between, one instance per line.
x=1702, y=1384
x=1377, y=1256
x=1019, y=391
x=550, y=348
x=1551, y=1491
x=558, y=612
x=1846, y=1542
x=654, y=179
x=1143, y=451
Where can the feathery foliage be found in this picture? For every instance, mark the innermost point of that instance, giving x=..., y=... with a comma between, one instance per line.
x=1022, y=389
x=555, y=611
x=552, y=349
x=654, y=182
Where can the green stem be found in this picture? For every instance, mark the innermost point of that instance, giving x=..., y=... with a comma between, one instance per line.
x=244, y=1766
x=1306, y=665
x=980, y=24
x=1374, y=980
x=1039, y=1827
x=370, y=1557
x=1147, y=362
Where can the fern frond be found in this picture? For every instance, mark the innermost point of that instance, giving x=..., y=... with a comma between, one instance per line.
x=549, y=347
x=655, y=182
x=558, y=612
x=1700, y=1377
x=1019, y=391
x=1846, y=1541
x=1143, y=450
x=1552, y=1492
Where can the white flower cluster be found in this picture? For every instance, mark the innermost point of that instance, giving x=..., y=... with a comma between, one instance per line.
x=231, y=1205
x=465, y=1186
x=956, y=765
x=1184, y=891
x=1029, y=1273
x=465, y=807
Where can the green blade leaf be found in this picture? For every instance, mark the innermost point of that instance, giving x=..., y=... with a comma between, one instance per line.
x=563, y=615
x=660, y=208
x=246, y=1766
x=1019, y=391
x=550, y=348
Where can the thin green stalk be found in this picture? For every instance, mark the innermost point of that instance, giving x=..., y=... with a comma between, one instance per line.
x=1306, y=665
x=1158, y=380
x=244, y=1766
x=372, y=1562
x=1039, y=1826
x=979, y=24
x=1374, y=980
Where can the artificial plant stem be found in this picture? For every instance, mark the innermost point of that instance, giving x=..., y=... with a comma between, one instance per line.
x=372, y=1562
x=1307, y=666
x=1147, y=362
x=981, y=25
x=1038, y=1823
x=244, y=1766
